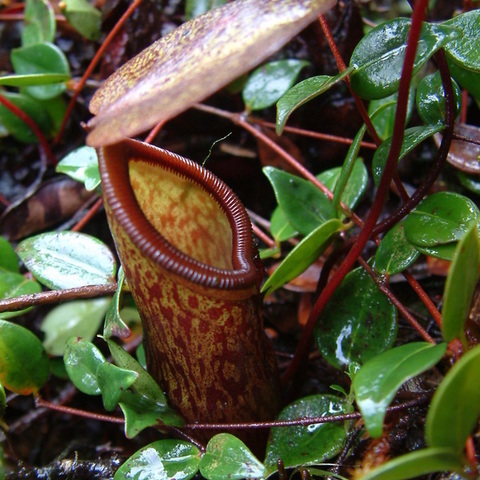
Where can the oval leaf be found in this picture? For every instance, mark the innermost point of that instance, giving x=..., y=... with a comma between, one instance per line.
x=41, y=58
x=377, y=382
x=39, y=22
x=303, y=255
x=228, y=457
x=460, y=285
x=378, y=57
x=280, y=228
x=395, y=253
x=269, y=82
x=81, y=165
x=68, y=260
x=310, y=444
x=162, y=460
x=84, y=17
x=357, y=330
x=23, y=361
x=80, y=318
x=13, y=285
x=194, y=61
x=82, y=359
x=416, y=464
x=441, y=218
x=304, y=205
x=455, y=407
x=8, y=257
x=302, y=93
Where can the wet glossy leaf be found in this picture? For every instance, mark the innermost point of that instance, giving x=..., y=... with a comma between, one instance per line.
x=80, y=318
x=114, y=324
x=460, y=285
x=280, y=228
x=82, y=359
x=464, y=48
x=145, y=385
x=8, y=257
x=414, y=136
x=304, y=205
x=470, y=182
x=395, y=253
x=13, y=285
x=16, y=127
x=228, y=457
x=303, y=255
x=378, y=380
x=455, y=407
x=167, y=459
x=357, y=330
x=443, y=252
x=41, y=58
x=112, y=381
x=84, y=17
x=194, y=61
x=310, y=444
x=140, y=413
x=39, y=22
x=269, y=82
x=67, y=259
x=82, y=165
x=302, y=93
x=416, y=464
x=23, y=361
x=378, y=57
x=431, y=99
x=441, y=218
x=467, y=79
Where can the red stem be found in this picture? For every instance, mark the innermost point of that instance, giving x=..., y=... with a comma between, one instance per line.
x=32, y=125
x=377, y=206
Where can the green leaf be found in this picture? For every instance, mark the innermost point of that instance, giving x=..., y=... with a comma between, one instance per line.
x=194, y=8
x=302, y=93
x=441, y=218
x=413, y=137
x=304, y=205
x=466, y=78
x=79, y=318
x=303, y=255
x=32, y=79
x=431, y=99
x=209, y=51
x=82, y=165
x=3, y=405
x=377, y=382
x=280, y=228
x=23, y=361
x=357, y=330
x=13, y=285
x=145, y=385
x=84, y=18
x=114, y=324
x=82, y=359
x=463, y=49
x=378, y=57
x=460, y=285
x=39, y=22
x=8, y=257
x=444, y=252
x=269, y=82
x=395, y=253
x=312, y=444
x=167, y=459
x=470, y=182
x=140, y=413
x=67, y=260
x=455, y=407
x=18, y=128
x=41, y=58
x=416, y=464
x=112, y=381
x=228, y=457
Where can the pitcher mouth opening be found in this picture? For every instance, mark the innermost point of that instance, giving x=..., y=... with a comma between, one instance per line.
x=121, y=199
